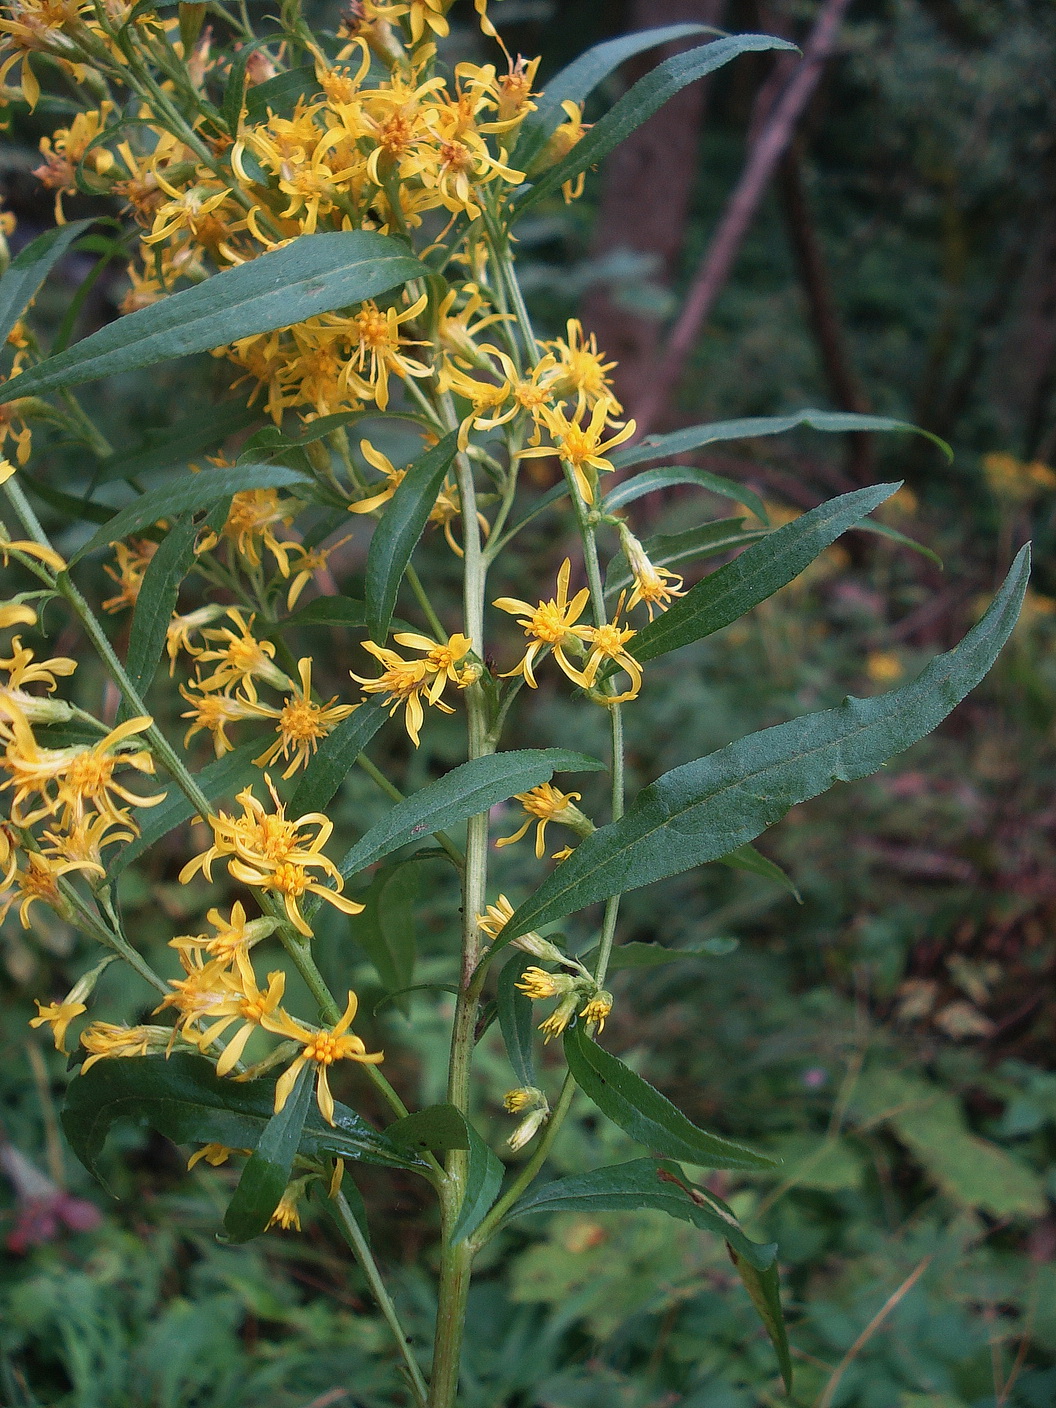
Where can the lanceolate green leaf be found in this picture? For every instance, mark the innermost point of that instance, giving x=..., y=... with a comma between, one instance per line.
x=190, y=493
x=386, y=928
x=223, y=778
x=636, y=106
x=396, y=536
x=679, y=442
x=884, y=530
x=157, y=601
x=183, y=1098
x=314, y=274
x=757, y=573
x=176, y=444
x=582, y=76
x=28, y=270
x=764, y=1288
x=341, y=612
x=694, y=545
x=268, y=1169
x=644, y=1113
x=706, y=809
x=336, y=757
x=748, y=858
x=437, y=1128
x=516, y=1020
x=484, y=1173
x=637, y=1185
x=665, y=476
x=463, y=792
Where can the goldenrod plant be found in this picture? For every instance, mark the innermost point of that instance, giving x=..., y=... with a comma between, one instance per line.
x=332, y=216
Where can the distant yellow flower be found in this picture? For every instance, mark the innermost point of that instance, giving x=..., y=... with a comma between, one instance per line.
x=549, y=625
x=133, y=559
x=306, y=564
x=251, y=523
x=543, y=805
x=884, y=666
x=323, y=1048
x=1015, y=481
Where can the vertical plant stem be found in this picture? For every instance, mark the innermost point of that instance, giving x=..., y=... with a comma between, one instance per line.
x=353, y=1235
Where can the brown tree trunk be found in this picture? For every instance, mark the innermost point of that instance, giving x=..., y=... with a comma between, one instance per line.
x=646, y=195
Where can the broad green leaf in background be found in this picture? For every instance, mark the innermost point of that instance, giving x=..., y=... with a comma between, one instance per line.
x=484, y=1174
x=157, y=601
x=396, y=536
x=335, y=758
x=183, y=1098
x=516, y=1019
x=667, y=476
x=579, y=79
x=314, y=274
x=268, y=1168
x=679, y=442
x=756, y=574
x=643, y=955
x=646, y=1115
x=437, y=1128
x=28, y=270
x=386, y=928
x=748, y=858
x=221, y=779
x=706, y=809
x=639, y=104
x=694, y=545
x=190, y=493
x=176, y=444
x=463, y=792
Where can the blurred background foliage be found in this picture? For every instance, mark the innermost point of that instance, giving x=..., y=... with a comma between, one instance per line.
x=890, y=1034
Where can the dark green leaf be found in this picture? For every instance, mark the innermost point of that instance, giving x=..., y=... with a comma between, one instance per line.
x=644, y=1113
x=884, y=530
x=280, y=93
x=694, y=545
x=764, y=1288
x=190, y=493
x=28, y=270
x=402, y=524
x=538, y=505
x=639, y=104
x=634, y=1186
x=336, y=757
x=176, y=444
x=314, y=274
x=756, y=574
x=579, y=79
x=342, y=612
x=386, y=928
x=706, y=809
x=678, y=442
x=157, y=601
x=437, y=1128
x=183, y=1098
x=642, y=955
x=413, y=987
x=748, y=858
x=223, y=778
x=268, y=1169
x=484, y=1173
x=235, y=89
x=666, y=476
x=463, y=792
x=516, y=1020
x=69, y=505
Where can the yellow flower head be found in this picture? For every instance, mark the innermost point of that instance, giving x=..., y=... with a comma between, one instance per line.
x=300, y=723
x=549, y=625
x=656, y=587
x=245, y=1003
x=287, y=1214
x=377, y=354
x=214, y=713
x=240, y=657
x=608, y=645
x=133, y=559
x=543, y=805
x=598, y=1009
x=580, y=369
x=323, y=1048
x=58, y=1016
x=406, y=681
x=579, y=442
x=105, y=1040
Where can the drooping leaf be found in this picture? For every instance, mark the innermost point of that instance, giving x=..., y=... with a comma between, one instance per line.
x=336, y=757
x=221, y=779
x=28, y=270
x=183, y=1098
x=643, y=955
x=386, y=928
x=341, y=612
x=706, y=809
x=579, y=79
x=638, y=105
x=314, y=274
x=516, y=1021
x=190, y=493
x=756, y=574
x=694, y=545
x=678, y=442
x=748, y=858
x=667, y=476
x=268, y=1168
x=176, y=444
x=635, y=1186
x=484, y=1174
x=884, y=530
x=437, y=1128
x=764, y=1289
x=157, y=601
x=645, y=1114
x=396, y=536
x=463, y=792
